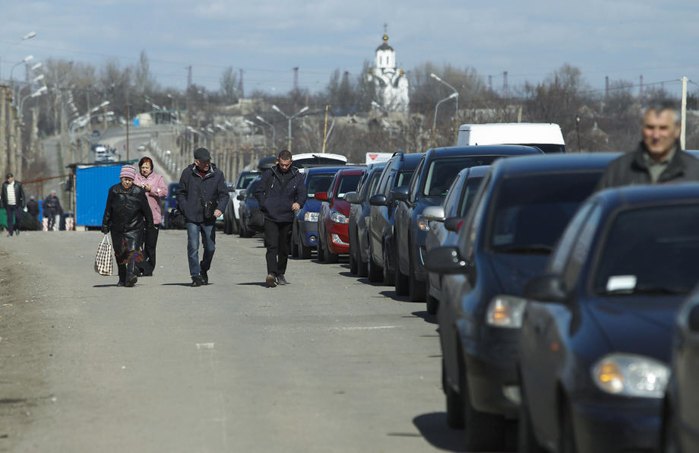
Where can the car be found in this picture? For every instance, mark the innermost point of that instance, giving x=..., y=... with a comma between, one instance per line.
x=231, y=215
x=597, y=327
x=304, y=230
x=248, y=205
x=443, y=223
x=397, y=173
x=359, y=217
x=333, y=217
x=170, y=210
x=520, y=211
x=428, y=187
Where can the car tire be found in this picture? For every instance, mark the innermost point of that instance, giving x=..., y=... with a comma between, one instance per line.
x=669, y=441
x=374, y=271
x=227, y=225
x=454, y=403
x=431, y=302
x=304, y=251
x=388, y=277
x=362, y=268
x=483, y=431
x=354, y=267
x=293, y=246
x=526, y=440
x=401, y=282
x=235, y=224
x=330, y=257
x=566, y=437
x=321, y=249
x=416, y=289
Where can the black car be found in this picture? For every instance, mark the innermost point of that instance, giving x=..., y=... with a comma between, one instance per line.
x=397, y=173
x=428, y=187
x=520, y=212
x=359, y=218
x=231, y=215
x=596, y=332
x=248, y=205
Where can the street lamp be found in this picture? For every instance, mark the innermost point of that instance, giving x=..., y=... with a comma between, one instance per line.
x=289, y=118
x=274, y=133
x=436, y=108
x=25, y=60
x=438, y=79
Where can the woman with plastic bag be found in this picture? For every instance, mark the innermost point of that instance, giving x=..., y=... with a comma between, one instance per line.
x=156, y=190
x=127, y=215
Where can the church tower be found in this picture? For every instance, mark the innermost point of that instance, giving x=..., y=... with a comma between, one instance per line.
x=391, y=82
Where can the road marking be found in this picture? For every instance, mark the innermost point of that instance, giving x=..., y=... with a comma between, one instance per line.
x=205, y=345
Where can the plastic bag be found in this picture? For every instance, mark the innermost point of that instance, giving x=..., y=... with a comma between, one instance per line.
x=104, y=263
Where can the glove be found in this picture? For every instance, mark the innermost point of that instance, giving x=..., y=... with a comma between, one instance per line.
x=105, y=229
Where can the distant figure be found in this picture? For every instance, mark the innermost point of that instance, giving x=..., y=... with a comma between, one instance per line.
x=659, y=158
x=13, y=201
x=156, y=190
x=33, y=207
x=52, y=210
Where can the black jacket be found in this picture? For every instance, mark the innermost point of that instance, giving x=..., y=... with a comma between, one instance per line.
x=196, y=189
x=19, y=194
x=127, y=211
x=52, y=206
x=631, y=168
x=277, y=191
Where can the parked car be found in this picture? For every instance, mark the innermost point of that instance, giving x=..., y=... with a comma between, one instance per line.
x=333, y=217
x=170, y=205
x=428, y=187
x=443, y=223
x=248, y=204
x=398, y=172
x=359, y=218
x=304, y=231
x=596, y=331
x=231, y=216
x=518, y=216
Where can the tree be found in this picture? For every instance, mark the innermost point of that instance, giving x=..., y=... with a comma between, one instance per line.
x=229, y=86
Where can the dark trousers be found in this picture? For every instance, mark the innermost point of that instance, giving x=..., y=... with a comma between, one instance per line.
x=150, y=242
x=13, y=213
x=277, y=243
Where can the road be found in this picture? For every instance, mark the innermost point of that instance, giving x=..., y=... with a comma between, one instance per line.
x=329, y=363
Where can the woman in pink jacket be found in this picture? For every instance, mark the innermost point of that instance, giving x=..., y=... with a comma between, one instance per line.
x=156, y=190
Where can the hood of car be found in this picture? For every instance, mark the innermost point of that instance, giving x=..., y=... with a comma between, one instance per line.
x=637, y=325
x=311, y=205
x=512, y=271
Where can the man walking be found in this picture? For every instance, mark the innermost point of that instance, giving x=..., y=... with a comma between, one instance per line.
x=658, y=159
x=13, y=201
x=281, y=193
x=52, y=210
x=202, y=197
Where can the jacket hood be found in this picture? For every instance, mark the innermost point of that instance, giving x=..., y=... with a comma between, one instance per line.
x=512, y=271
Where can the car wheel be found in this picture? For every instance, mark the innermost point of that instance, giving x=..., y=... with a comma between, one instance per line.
x=362, y=268
x=454, y=403
x=374, y=271
x=304, y=251
x=401, y=282
x=526, y=440
x=431, y=302
x=669, y=442
x=566, y=436
x=235, y=224
x=330, y=257
x=227, y=225
x=416, y=289
x=388, y=277
x=484, y=432
x=354, y=268
x=321, y=249
x=241, y=231
x=293, y=247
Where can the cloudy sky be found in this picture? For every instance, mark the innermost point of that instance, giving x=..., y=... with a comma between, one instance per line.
x=622, y=39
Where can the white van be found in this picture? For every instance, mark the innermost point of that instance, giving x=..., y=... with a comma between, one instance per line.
x=545, y=136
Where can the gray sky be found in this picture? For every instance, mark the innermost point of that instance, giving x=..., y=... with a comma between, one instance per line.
x=622, y=39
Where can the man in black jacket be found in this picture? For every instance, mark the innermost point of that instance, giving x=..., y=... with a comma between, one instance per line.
x=659, y=158
x=13, y=201
x=281, y=193
x=202, y=197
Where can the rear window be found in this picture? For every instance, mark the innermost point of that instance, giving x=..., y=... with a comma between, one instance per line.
x=245, y=180
x=442, y=172
x=530, y=212
x=318, y=183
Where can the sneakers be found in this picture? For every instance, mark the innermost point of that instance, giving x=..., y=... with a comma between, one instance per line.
x=271, y=281
x=204, y=278
x=281, y=280
x=197, y=281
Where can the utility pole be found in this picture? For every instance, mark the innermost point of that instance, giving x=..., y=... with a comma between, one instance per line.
x=683, y=127
x=296, y=78
x=128, y=120
x=325, y=129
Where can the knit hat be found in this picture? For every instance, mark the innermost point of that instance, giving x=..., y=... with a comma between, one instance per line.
x=127, y=171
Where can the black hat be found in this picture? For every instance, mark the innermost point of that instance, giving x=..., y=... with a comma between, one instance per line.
x=202, y=154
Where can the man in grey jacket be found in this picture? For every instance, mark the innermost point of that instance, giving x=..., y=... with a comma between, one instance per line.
x=202, y=197
x=659, y=158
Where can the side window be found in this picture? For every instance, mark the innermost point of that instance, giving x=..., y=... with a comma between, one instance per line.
x=581, y=249
x=414, y=181
x=373, y=182
x=567, y=242
x=467, y=235
x=331, y=188
x=451, y=199
x=383, y=181
x=389, y=185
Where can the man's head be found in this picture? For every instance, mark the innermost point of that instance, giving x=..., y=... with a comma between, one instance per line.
x=202, y=159
x=10, y=177
x=661, y=129
x=284, y=160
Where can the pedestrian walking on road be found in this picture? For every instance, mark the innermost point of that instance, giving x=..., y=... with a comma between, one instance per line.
x=13, y=201
x=52, y=210
x=156, y=190
x=281, y=193
x=659, y=158
x=127, y=215
x=202, y=197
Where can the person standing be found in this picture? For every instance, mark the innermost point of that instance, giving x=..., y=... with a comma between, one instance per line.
x=156, y=190
x=281, y=193
x=52, y=210
x=127, y=215
x=659, y=158
x=33, y=210
x=13, y=201
x=202, y=197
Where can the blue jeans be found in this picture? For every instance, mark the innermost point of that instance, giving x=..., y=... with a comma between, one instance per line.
x=208, y=239
x=13, y=214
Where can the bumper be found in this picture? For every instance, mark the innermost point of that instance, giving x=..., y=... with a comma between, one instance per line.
x=308, y=232
x=338, y=239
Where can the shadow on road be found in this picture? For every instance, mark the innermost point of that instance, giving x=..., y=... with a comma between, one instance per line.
x=432, y=319
x=434, y=429
x=107, y=285
x=394, y=296
x=177, y=284
x=263, y=284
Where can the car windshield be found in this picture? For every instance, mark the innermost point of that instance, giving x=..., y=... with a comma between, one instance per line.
x=318, y=183
x=245, y=180
x=442, y=172
x=530, y=212
x=650, y=251
x=348, y=183
x=403, y=178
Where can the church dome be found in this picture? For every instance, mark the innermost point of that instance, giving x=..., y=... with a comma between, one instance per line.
x=384, y=45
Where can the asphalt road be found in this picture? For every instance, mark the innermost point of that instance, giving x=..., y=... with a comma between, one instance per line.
x=329, y=363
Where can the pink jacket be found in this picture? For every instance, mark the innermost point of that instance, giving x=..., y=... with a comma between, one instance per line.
x=158, y=191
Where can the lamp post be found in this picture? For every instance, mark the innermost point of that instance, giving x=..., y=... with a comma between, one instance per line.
x=438, y=79
x=274, y=133
x=436, y=109
x=24, y=60
x=289, y=118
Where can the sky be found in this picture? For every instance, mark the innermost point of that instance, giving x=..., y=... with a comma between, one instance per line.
x=621, y=39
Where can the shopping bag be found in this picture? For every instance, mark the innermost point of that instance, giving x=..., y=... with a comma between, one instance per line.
x=104, y=263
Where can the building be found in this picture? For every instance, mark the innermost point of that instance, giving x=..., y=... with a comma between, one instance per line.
x=391, y=82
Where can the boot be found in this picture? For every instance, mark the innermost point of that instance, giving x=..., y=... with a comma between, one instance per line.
x=122, y=274
x=131, y=275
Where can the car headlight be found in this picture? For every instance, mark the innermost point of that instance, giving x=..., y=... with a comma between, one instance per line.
x=310, y=217
x=506, y=311
x=631, y=375
x=338, y=218
x=423, y=224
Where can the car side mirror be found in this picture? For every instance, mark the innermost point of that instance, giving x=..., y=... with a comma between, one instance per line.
x=378, y=200
x=435, y=213
x=546, y=288
x=352, y=197
x=400, y=193
x=453, y=223
x=241, y=195
x=321, y=196
x=693, y=319
x=445, y=260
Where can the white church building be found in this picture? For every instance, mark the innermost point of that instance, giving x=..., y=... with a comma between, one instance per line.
x=391, y=82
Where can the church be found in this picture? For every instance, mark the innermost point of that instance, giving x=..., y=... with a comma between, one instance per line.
x=391, y=82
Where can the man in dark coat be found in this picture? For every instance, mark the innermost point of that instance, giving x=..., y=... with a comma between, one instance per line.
x=659, y=158
x=281, y=193
x=52, y=209
x=202, y=198
x=13, y=201
x=126, y=215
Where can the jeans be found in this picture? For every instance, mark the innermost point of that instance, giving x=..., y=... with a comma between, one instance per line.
x=13, y=213
x=208, y=239
x=277, y=243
